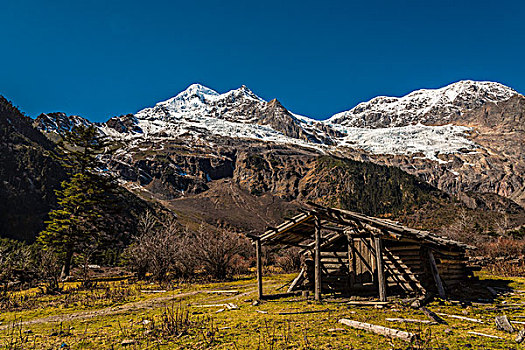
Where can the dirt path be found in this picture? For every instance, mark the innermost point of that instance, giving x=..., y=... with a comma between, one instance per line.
x=135, y=306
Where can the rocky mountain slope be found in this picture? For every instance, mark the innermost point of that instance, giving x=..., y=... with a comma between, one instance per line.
x=465, y=139
x=426, y=106
x=28, y=175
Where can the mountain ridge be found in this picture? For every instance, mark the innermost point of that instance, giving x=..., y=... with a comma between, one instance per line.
x=445, y=137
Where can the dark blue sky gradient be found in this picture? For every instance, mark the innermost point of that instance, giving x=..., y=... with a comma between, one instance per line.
x=104, y=58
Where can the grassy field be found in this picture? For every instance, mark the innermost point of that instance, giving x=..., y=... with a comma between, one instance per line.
x=126, y=315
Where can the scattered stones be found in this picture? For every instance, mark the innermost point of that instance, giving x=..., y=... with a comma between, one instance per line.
x=256, y=303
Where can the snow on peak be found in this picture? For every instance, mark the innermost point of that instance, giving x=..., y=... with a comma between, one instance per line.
x=59, y=122
x=420, y=123
x=197, y=100
x=428, y=106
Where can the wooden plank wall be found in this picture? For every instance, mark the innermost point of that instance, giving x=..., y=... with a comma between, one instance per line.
x=404, y=266
x=452, y=266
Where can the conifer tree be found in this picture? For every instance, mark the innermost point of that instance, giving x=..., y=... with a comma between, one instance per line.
x=80, y=223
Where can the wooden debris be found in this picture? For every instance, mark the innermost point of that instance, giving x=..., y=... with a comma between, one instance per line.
x=261, y=311
x=297, y=280
x=461, y=317
x=222, y=291
x=484, y=335
x=492, y=291
x=520, y=337
x=336, y=330
x=388, y=332
x=127, y=342
x=433, y=316
x=209, y=305
x=435, y=273
x=502, y=323
x=153, y=291
x=409, y=320
x=517, y=322
x=231, y=306
x=302, y=312
x=367, y=303
x=421, y=301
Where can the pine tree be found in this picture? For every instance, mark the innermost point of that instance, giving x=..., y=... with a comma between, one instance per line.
x=80, y=224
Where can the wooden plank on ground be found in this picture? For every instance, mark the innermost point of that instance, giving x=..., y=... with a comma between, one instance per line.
x=367, y=303
x=303, y=312
x=387, y=332
x=410, y=320
x=432, y=315
x=461, y=317
x=484, y=335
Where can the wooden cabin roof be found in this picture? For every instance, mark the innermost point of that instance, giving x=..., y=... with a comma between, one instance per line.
x=299, y=230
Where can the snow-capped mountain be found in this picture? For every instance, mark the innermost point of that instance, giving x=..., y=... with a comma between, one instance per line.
x=426, y=106
x=427, y=122
x=59, y=122
x=238, y=113
x=440, y=134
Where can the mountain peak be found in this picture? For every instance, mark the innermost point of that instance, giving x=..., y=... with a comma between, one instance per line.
x=430, y=106
x=244, y=91
x=195, y=90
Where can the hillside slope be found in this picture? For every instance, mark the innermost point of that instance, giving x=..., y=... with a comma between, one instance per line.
x=28, y=172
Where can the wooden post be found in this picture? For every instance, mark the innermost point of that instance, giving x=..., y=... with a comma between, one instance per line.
x=258, y=256
x=380, y=269
x=435, y=273
x=317, y=259
x=351, y=259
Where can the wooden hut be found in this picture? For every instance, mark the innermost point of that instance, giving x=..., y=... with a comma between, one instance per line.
x=351, y=253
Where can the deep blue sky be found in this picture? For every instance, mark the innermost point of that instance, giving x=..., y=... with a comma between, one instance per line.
x=103, y=58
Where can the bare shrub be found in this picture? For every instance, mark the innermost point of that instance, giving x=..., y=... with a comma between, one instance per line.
x=17, y=265
x=503, y=247
x=50, y=270
x=289, y=259
x=220, y=252
x=507, y=268
x=159, y=249
x=176, y=321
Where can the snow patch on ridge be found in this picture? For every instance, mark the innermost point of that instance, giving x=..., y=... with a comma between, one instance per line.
x=412, y=139
x=423, y=105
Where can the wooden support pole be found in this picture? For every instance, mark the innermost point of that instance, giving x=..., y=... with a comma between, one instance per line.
x=435, y=273
x=351, y=259
x=258, y=255
x=317, y=259
x=380, y=268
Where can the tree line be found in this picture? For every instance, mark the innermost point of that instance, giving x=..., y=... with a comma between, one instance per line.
x=95, y=222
